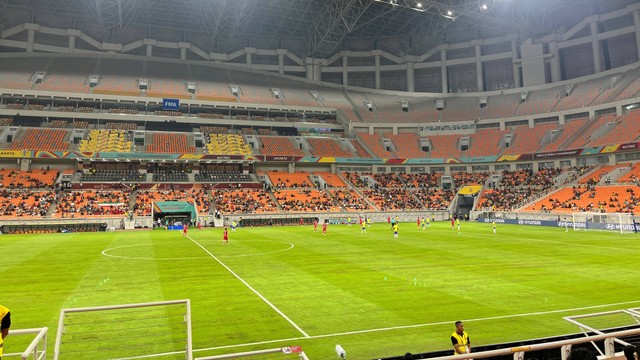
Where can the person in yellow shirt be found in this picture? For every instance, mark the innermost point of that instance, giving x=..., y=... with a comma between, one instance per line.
x=5, y=324
x=460, y=340
x=395, y=231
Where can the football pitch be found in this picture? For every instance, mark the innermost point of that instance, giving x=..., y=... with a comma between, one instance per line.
x=374, y=295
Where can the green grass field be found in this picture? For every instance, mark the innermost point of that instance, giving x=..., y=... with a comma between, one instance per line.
x=374, y=295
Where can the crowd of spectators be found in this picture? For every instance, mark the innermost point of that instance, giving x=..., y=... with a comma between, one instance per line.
x=242, y=201
x=388, y=180
x=463, y=178
x=307, y=200
x=90, y=203
x=393, y=199
x=422, y=180
x=25, y=202
x=434, y=198
x=349, y=200
x=354, y=179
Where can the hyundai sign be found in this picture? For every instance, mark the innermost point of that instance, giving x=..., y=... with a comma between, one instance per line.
x=171, y=104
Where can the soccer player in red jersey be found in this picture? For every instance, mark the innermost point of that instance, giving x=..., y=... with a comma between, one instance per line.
x=185, y=228
x=324, y=229
x=225, y=236
x=315, y=226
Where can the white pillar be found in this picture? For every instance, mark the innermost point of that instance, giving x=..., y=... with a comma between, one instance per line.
x=31, y=36
x=377, y=64
x=72, y=44
x=443, y=71
x=411, y=84
x=183, y=53
x=517, y=82
x=149, y=50
x=345, y=68
x=281, y=63
x=479, y=74
x=636, y=22
x=556, y=73
x=249, y=60
x=595, y=45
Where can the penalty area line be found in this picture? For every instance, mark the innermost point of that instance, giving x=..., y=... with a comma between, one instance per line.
x=305, y=335
x=421, y=325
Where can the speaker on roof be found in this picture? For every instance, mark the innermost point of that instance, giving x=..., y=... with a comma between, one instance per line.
x=94, y=80
x=523, y=96
x=235, y=90
x=143, y=84
x=404, y=104
x=482, y=101
x=276, y=93
x=369, y=105
x=440, y=104
x=192, y=87
x=567, y=90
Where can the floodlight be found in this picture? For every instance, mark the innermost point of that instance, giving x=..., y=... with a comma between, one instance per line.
x=484, y=7
x=449, y=13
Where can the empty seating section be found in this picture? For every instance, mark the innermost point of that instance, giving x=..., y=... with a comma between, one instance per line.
x=360, y=150
x=593, y=198
x=6, y=121
x=626, y=129
x=593, y=127
x=16, y=73
x=443, y=146
x=350, y=200
x=388, y=108
x=423, y=110
x=167, y=87
x=373, y=142
x=333, y=98
x=332, y=180
x=213, y=129
x=254, y=88
x=106, y=141
x=120, y=126
x=117, y=85
x=293, y=92
x=170, y=143
x=539, y=102
x=16, y=179
x=222, y=176
x=170, y=176
x=229, y=201
x=195, y=195
x=631, y=86
x=25, y=203
x=569, y=129
x=306, y=200
x=528, y=140
x=63, y=82
x=633, y=176
x=100, y=203
x=327, y=147
x=594, y=177
x=485, y=142
x=500, y=106
x=461, y=108
x=227, y=144
x=407, y=145
x=582, y=95
x=359, y=101
x=289, y=180
x=279, y=146
x=41, y=140
x=113, y=176
x=61, y=124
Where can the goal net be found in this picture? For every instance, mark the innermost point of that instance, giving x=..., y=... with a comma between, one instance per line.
x=621, y=222
x=158, y=329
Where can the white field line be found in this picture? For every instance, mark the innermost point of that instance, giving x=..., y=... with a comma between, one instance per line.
x=305, y=335
x=422, y=325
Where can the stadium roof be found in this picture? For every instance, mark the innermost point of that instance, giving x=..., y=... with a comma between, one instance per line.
x=322, y=25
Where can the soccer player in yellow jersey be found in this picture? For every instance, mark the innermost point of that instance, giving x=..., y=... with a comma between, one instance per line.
x=493, y=224
x=460, y=340
x=5, y=324
x=395, y=231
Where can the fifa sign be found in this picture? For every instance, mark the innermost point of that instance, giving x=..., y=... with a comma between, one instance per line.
x=171, y=104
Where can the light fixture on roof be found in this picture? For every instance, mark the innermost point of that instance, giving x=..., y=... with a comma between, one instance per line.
x=449, y=15
x=484, y=7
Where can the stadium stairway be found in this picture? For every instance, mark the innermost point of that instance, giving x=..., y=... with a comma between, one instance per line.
x=355, y=189
x=614, y=175
x=353, y=105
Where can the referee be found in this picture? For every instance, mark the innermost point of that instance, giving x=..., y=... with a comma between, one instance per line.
x=5, y=318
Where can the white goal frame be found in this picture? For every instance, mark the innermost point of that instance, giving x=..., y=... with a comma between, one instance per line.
x=620, y=222
x=186, y=302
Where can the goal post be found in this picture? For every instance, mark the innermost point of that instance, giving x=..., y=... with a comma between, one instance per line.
x=621, y=222
x=154, y=329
